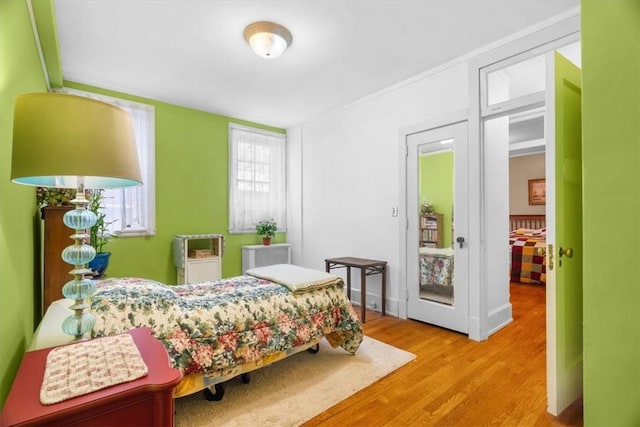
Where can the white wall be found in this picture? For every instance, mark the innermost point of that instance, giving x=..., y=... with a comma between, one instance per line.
x=496, y=208
x=348, y=179
x=294, y=193
x=521, y=170
x=350, y=176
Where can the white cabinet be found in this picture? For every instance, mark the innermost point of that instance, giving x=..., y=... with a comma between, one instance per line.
x=261, y=255
x=198, y=257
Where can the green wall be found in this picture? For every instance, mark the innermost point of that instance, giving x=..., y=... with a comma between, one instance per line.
x=191, y=186
x=191, y=191
x=611, y=177
x=197, y=203
x=436, y=184
x=20, y=72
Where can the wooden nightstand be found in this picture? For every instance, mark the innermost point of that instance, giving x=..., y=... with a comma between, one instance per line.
x=147, y=401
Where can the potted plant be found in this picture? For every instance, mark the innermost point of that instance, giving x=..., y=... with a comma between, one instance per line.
x=266, y=229
x=54, y=196
x=98, y=234
x=426, y=207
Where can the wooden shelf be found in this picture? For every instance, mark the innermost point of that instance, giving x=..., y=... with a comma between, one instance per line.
x=431, y=234
x=56, y=238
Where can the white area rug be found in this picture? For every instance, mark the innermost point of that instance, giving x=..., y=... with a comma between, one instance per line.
x=293, y=390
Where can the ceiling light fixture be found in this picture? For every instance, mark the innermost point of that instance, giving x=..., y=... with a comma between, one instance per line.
x=267, y=39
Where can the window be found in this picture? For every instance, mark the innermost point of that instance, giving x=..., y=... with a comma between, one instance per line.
x=131, y=211
x=257, y=178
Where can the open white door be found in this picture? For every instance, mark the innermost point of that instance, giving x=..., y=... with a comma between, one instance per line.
x=437, y=170
x=564, y=232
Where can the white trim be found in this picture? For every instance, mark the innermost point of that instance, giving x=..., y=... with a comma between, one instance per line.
x=257, y=130
x=551, y=290
x=526, y=148
x=512, y=105
x=499, y=318
x=36, y=36
x=119, y=102
x=373, y=303
x=477, y=298
x=295, y=195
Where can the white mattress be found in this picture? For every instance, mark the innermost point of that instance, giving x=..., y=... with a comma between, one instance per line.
x=49, y=332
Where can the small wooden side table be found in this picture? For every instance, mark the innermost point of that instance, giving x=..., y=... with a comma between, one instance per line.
x=147, y=401
x=368, y=267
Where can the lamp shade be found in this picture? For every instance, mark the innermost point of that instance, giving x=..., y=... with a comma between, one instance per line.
x=267, y=39
x=59, y=139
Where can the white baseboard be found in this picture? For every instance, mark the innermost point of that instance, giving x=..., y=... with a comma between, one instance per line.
x=474, y=329
x=374, y=302
x=499, y=318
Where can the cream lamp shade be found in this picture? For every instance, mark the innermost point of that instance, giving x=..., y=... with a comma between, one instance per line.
x=61, y=138
x=267, y=39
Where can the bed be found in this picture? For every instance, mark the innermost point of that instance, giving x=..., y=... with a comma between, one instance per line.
x=527, y=243
x=214, y=331
x=436, y=271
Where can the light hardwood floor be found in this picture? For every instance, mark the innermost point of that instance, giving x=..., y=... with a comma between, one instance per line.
x=458, y=382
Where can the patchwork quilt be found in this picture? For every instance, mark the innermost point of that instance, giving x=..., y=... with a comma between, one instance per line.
x=528, y=260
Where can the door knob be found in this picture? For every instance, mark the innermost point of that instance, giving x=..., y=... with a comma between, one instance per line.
x=566, y=252
x=460, y=240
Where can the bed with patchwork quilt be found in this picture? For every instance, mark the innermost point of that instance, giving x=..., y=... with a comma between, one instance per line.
x=528, y=256
x=214, y=331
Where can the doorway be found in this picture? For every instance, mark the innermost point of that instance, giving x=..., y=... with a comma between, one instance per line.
x=560, y=102
x=488, y=258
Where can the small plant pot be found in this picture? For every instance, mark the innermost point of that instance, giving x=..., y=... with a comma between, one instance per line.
x=99, y=264
x=266, y=241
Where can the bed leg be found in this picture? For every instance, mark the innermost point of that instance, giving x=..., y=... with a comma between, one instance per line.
x=214, y=397
x=314, y=349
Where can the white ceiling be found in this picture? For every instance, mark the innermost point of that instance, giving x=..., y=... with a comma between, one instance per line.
x=192, y=52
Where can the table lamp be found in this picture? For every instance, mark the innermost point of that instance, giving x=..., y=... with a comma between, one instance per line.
x=69, y=141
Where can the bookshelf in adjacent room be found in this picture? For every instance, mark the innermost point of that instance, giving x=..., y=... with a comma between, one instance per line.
x=431, y=234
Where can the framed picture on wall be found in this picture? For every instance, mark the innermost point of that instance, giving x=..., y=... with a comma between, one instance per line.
x=537, y=192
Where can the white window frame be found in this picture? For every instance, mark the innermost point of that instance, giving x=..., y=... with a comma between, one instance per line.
x=241, y=220
x=130, y=212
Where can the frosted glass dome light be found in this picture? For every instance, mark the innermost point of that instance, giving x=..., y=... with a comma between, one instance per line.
x=267, y=39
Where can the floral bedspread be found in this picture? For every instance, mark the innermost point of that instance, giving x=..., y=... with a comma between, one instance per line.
x=211, y=327
x=436, y=269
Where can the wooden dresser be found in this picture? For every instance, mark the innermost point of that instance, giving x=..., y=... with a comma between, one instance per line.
x=147, y=401
x=56, y=238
